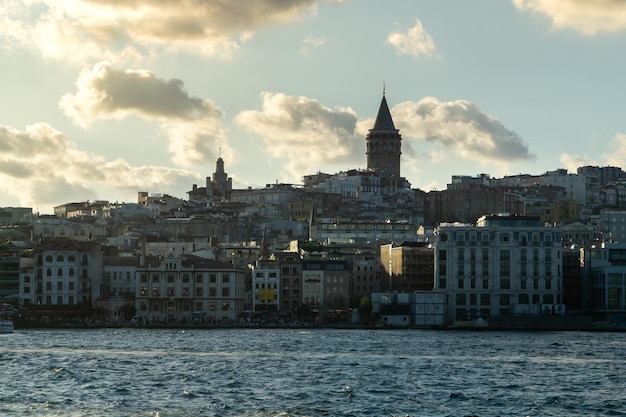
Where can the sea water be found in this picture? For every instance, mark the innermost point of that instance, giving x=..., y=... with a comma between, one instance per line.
x=311, y=372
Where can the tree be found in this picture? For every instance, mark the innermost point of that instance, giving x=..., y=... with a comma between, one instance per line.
x=365, y=307
x=128, y=311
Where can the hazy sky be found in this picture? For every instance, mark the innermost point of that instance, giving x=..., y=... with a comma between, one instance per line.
x=100, y=101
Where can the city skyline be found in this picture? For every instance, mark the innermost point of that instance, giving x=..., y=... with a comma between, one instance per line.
x=101, y=101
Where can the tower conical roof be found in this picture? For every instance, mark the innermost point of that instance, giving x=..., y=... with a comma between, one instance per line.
x=383, y=119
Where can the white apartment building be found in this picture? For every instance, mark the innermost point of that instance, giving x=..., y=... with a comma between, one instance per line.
x=502, y=262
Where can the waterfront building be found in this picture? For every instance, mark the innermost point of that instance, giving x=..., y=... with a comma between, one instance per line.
x=290, y=282
x=266, y=287
x=575, y=287
x=118, y=286
x=9, y=273
x=418, y=308
x=187, y=288
x=67, y=273
x=407, y=267
x=605, y=266
x=325, y=283
x=503, y=261
x=366, y=275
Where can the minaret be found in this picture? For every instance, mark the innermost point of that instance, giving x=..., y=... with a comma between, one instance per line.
x=384, y=142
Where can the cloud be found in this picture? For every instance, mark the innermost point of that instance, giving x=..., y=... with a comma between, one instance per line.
x=192, y=124
x=573, y=162
x=309, y=43
x=415, y=42
x=83, y=30
x=585, y=16
x=304, y=135
x=617, y=155
x=40, y=167
x=462, y=128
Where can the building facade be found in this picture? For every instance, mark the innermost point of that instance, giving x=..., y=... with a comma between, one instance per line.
x=189, y=289
x=502, y=262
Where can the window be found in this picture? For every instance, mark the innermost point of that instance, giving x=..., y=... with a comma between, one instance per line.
x=60, y=258
x=460, y=299
x=155, y=278
x=485, y=299
x=225, y=292
x=212, y=292
x=198, y=279
x=225, y=306
x=198, y=292
x=226, y=278
x=472, y=299
x=505, y=300
x=212, y=278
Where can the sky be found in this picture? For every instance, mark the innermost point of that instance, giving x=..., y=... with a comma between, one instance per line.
x=102, y=99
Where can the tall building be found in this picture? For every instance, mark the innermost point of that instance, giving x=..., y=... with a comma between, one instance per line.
x=221, y=184
x=384, y=143
x=499, y=267
x=218, y=187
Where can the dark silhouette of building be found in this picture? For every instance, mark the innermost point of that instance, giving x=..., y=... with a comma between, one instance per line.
x=384, y=143
x=218, y=188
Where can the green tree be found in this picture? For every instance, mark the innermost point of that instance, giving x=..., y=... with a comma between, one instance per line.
x=128, y=311
x=365, y=307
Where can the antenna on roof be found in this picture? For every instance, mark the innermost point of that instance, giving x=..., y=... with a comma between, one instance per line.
x=219, y=151
x=383, y=88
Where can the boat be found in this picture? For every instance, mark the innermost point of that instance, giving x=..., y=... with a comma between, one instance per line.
x=6, y=326
x=6, y=322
